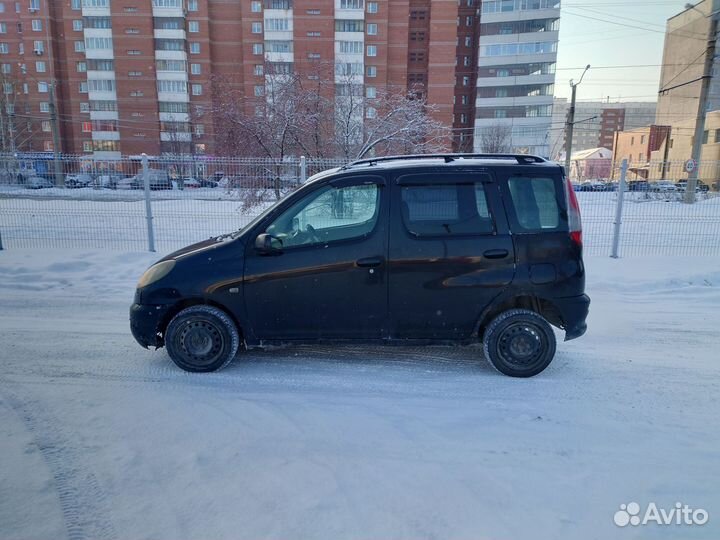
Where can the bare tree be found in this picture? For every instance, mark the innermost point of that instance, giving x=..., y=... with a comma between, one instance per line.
x=325, y=113
x=496, y=139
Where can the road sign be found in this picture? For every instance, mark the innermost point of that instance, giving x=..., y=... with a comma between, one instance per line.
x=690, y=165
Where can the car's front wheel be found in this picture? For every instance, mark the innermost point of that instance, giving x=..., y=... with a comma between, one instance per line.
x=519, y=343
x=202, y=338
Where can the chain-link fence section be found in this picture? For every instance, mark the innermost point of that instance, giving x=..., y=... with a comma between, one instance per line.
x=98, y=204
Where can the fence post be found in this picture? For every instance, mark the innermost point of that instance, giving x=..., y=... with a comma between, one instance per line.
x=619, y=209
x=148, y=207
x=303, y=169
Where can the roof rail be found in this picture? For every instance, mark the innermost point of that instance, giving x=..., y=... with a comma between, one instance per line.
x=522, y=159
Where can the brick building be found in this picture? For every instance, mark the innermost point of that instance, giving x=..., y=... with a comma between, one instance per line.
x=128, y=73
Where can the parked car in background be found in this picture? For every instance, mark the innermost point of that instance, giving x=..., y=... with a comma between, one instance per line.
x=638, y=185
x=107, y=181
x=189, y=183
x=131, y=182
x=663, y=186
x=38, y=182
x=700, y=187
x=209, y=182
x=78, y=180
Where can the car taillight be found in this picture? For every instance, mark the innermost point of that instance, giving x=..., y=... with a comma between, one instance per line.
x=574, y=220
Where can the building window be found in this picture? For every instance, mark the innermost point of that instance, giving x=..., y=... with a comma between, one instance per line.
x=351, y=4
x=4, y=48
x=172, y=86
x=3, y=28
x=137, y=93
x=135, y=73
x=468, y=41
x=192, y=5
x=77, y=25
x=314, y=56
x=632, y=141
x=76, y=4
x=349, y=25
x=34, y=5
x=196, y=89
x=370, y=92
x=642, y=139
x=350, y=47
x=370, y=112
x=42, y=87
x=371, y=71
x=468, y=20
x=132, y=30
x=466, y=81
x=193, y=27
x=259, y=90
x=313, y=33
x=259, y=70
x=705, y=136
x=83, y=87
x=199, y=129
x=257, y=28
x=98, y=43
x=257, y=48
x=37, y=25
x=38, y=47
x=134, y=52
x=5, y=69
x=195, y=69
x=372, y=29
x=84, y=107
x=312, y=12
x=40, y=66
x=200, y=148
x=45, y=126
x=194, y=48
x=372, y=50
x=256, y=7
x=87, y=146
x=372, y=7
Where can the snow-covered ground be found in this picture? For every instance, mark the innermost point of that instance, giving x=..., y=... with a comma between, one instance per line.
x=652, y=224
x=101, y=439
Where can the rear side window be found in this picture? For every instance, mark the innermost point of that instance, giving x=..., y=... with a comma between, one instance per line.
x=535, y=202
x=446, y=209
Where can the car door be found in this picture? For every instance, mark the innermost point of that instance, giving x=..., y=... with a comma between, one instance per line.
x=329, y=281
x=450, y=253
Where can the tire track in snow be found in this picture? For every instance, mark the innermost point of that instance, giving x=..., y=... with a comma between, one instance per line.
x=82, y=500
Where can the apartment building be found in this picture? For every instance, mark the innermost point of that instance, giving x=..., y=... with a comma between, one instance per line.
x=128, y=76
x=516, y=72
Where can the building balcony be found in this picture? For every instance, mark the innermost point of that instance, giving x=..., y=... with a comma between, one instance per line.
x=105, y=135
x=169, y=34
x=170, y=55
x=175, y=136
x=513, y=101
x=548, y=78
x=99, y=54
x=93, y=74
x=174, y=96
x=103, y=115
x=171, y=75
x=174, y=117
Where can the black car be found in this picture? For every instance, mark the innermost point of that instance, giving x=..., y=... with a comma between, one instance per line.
x=450, y=248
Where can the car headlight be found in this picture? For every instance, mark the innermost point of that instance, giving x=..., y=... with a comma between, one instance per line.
x=155, y=272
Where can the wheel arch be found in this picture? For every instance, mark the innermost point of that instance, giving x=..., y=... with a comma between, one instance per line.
x=542, y=306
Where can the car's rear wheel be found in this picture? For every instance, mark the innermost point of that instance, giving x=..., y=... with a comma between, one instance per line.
x=519, y=343
x=202, y=338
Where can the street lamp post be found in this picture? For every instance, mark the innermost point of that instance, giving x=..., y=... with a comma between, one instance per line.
x=570, y=123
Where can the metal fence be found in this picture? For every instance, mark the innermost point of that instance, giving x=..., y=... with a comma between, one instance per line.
x=104, y=204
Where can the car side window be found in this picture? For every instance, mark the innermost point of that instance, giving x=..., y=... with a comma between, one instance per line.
x=535, y=202
x=329, y=214
x=446, y=209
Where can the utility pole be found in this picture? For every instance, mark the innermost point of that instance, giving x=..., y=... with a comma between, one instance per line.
x=54, y=124
x=570, y=123
x=702, y=107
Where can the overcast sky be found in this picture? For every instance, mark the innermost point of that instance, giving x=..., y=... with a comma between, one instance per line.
x=586, y=40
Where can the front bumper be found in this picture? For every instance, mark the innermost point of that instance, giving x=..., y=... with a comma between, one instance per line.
x=573, y=311
x=146, y=323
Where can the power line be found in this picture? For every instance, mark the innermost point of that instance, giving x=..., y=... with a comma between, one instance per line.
x=628, y=25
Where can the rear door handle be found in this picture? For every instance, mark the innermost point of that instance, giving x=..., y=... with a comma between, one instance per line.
x=369, y=262
x=495, y=253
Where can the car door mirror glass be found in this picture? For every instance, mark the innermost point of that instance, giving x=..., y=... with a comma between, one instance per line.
x=267, y=243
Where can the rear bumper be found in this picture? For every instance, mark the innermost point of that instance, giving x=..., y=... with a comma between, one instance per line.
x=573, y=311
x=145, y=323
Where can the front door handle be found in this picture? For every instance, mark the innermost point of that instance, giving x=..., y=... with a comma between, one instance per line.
x=369, y=262
x=495, y=253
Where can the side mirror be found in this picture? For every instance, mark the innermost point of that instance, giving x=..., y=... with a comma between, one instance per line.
x=267, y=244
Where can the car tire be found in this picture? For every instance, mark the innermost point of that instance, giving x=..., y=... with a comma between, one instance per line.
x=201, y=339
x=519, y=343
